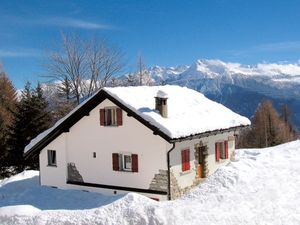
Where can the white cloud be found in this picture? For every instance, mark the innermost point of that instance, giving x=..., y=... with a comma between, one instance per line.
x=57, y=21
x=71, y=22
x=19, y=52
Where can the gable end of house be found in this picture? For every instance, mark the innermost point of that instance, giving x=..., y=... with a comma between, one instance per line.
x=84, y=110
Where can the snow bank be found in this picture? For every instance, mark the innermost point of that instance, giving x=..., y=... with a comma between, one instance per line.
x=19, y=177
x=18, y=210
x=261, y=187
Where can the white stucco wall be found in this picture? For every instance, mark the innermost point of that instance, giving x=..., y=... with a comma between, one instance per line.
x=87, y=136
x=106, y=191
x=186, y=178
x=54, y=175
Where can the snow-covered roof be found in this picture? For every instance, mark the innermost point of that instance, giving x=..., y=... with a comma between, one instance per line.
x=189, y=112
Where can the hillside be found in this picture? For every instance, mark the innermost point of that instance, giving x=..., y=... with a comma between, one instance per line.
x=261, y=187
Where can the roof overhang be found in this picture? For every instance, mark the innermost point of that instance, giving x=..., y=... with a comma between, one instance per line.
x=208, y=133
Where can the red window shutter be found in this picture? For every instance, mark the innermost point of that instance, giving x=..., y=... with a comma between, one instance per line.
x=183, y=160
x=102, y=117
x=217, y=151
x=187, y=159
x=119, y=117
x=226, y=149
x=115, y=161
x=135, y=164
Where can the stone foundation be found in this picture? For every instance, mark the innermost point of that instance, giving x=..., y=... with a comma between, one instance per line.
x=160, y=181
x=176, y=191
x=232, y=156
x=73, y=173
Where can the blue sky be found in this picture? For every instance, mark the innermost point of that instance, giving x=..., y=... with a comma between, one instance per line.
x=166, y=33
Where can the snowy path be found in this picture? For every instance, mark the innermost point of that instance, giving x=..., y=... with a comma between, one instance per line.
x=262, y=187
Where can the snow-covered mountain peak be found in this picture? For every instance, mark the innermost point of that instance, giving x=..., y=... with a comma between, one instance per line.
x=204, y=68
x=163, y=73
x=209, y=69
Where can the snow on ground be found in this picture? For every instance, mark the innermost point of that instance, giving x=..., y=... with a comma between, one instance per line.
x=261, y=187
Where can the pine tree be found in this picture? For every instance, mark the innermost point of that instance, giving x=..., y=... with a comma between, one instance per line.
x=61, y=101
x=41, y=117
x=7, y=104
x=30, y=118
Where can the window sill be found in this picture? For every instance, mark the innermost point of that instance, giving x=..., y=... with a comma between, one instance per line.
x=185, y=172
x=111, y=126
x=51, y=165
x=222, y=160
x=125, y=171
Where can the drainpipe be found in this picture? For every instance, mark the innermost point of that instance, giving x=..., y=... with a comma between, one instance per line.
x=169, y=173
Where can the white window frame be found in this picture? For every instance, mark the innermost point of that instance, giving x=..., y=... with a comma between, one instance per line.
x=114, y=118
x=222, y=150
x=50, y=155
x=123, y=161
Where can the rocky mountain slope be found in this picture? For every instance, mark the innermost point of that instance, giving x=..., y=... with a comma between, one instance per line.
x=239, y=87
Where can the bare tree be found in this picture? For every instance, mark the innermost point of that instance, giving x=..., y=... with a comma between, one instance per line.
x=143, y=74
x=141, y=69
x=84, y=65
x=104, y=62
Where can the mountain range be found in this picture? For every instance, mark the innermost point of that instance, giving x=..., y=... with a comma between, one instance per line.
x=239, y=87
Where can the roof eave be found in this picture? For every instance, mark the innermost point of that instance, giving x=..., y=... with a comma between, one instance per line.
x=207, y=133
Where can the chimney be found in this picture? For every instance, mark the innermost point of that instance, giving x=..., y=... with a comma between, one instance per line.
x=161, y=103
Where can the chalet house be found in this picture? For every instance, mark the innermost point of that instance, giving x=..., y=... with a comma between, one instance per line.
x=158, y=141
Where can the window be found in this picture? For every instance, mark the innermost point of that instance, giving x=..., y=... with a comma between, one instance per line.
x=125, y=162
x=111, y=116
x=221, y=150
x=185, y=160
x=51, y=157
